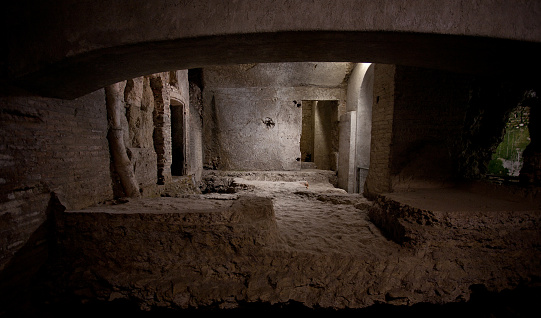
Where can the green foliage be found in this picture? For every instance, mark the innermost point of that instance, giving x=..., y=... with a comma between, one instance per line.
x=515, y=140
x=495, y=166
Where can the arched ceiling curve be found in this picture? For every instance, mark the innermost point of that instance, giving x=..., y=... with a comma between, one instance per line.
x=74, y=47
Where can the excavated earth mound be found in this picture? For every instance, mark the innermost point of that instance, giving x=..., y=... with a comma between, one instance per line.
x=275, y=240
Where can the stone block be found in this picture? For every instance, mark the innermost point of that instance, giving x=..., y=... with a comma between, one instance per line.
x=346, y=157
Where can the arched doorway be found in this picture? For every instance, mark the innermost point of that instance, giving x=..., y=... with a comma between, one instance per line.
x=364, y=128
x=356, y=130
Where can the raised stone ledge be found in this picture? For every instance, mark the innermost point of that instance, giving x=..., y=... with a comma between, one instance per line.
x=158, y=226
x=424, y=215
x=224, y=181
x=223, y=250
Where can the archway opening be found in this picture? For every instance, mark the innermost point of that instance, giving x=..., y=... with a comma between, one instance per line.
x=364, y=128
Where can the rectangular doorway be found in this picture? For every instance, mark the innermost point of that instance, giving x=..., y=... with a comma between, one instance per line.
x=178, y=138
x=319, y=134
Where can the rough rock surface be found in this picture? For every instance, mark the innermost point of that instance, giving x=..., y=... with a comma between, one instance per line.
x=223, y=181
x=295, y=241
x=266, y=135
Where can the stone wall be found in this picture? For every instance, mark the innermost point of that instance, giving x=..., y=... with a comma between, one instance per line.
x=346, y=158
x=55, y=155
x=378, y=179
x=147, y=126
x=359, y=100
x=148, y=132
x=162, y=126
x=325, y=135
x=307, y=132
x=428, y=119
x=364, y=126
x=195, y=133
x=46, y=146
x=138, y=130
x=417, y=129
x=252, y=118
x=433, y=128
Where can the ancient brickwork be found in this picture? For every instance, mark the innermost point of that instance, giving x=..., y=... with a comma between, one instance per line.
x=429, y=111
x=432, y=128
x=378, y=180
x=49, y=145
x=55, y=155
x=314, y=246
x=146, y=127
x=139, y=103
x=195, y=133
x=162, y=126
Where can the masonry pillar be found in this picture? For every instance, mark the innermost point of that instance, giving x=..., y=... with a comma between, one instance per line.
x=378, y=179
x=346, y=148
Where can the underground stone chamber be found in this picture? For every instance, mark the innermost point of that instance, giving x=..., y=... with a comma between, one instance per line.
x=170, y=168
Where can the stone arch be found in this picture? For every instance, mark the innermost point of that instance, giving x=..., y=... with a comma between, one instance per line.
x=104, y=42
x=356, y=126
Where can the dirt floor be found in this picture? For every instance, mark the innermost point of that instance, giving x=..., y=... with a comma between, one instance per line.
x=317, y=217
x=475, y=250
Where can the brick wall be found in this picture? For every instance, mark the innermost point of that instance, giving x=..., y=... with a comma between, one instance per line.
x=428, y=118
x=417, y=127
x=47, y=145
x=378, y=179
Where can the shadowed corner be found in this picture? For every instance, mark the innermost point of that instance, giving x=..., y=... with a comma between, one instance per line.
x=23, y=277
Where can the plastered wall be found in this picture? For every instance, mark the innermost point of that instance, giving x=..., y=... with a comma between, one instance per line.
x=355, y=143
x=252, y=112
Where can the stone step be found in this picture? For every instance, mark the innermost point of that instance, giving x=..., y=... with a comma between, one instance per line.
x=311, y=175
x=308, y=165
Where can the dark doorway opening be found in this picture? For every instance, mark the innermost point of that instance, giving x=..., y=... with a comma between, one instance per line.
x=178, y=139
x=319, y=134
